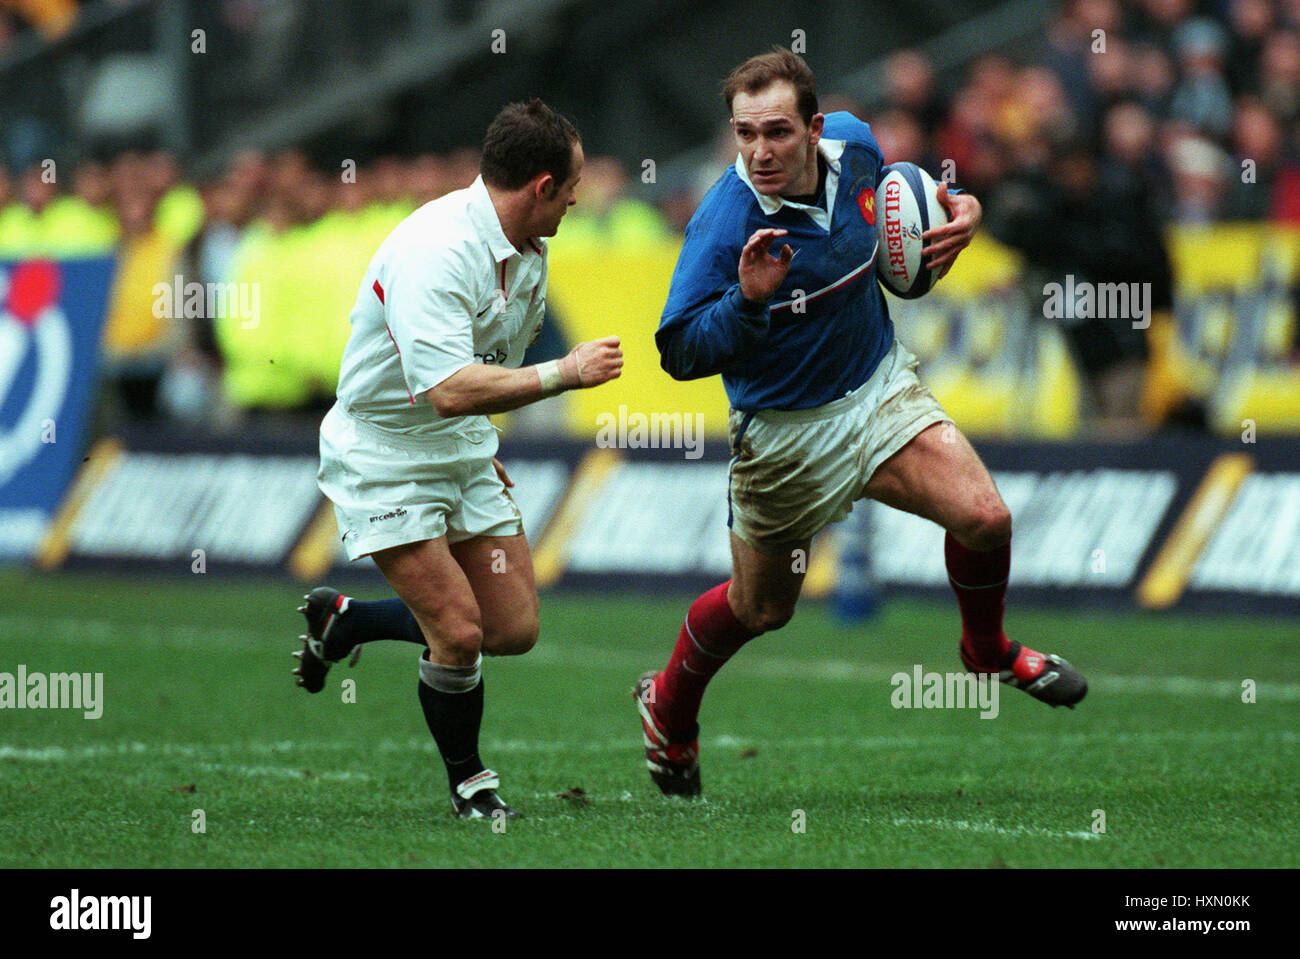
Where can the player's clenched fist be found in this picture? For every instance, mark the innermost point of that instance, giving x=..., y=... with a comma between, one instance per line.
x=760, y=273
x=590, y=364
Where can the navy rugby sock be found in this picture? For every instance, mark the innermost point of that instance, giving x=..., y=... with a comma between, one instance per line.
x=452, y=700
x=367, y=622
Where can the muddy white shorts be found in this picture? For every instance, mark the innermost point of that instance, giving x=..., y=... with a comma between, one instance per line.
x=389, y=488
x=793, y=473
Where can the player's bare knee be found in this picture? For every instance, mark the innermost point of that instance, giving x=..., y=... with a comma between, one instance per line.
x=775, y=617
x=988, y=527
x=765, y=617
x=512, y=639
x=461, y=640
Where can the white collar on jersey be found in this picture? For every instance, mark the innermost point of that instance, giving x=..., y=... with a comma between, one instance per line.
x=830, y=151
x=484, y=217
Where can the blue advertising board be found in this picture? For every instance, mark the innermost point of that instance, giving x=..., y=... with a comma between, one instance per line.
x=51, y=316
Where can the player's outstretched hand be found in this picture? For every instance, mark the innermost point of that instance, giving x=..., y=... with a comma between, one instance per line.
x=760, y=273
x=590, y=364
x=964, y=215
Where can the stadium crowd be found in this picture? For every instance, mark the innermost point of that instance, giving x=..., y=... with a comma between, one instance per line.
x=276, y=225
x=1137, y=115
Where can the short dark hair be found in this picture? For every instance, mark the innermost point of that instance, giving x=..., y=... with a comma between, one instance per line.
x=527, y=139
x=760, y=72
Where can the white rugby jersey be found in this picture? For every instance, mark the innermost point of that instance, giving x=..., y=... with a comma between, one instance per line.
x=445, y=289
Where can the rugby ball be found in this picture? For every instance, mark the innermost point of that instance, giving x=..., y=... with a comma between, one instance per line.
x=906, y=207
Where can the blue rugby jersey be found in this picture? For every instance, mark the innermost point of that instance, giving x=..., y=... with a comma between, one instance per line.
x=780, y=357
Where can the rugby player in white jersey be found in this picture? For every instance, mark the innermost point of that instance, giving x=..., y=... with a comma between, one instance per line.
x=448, y=305
x=826, y=405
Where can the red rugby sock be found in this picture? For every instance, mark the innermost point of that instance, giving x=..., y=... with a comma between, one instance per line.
x=980, y=582
x=710, y=635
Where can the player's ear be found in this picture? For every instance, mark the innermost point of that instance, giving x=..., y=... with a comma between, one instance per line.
x=544, y=187
x=815, y=126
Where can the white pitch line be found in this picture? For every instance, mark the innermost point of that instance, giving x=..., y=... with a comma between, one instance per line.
x=284, y=772
x=104, y=632
x=182, y=750
x=188, y=636
x=630, y=743
x=963, y=825
x=832, y=670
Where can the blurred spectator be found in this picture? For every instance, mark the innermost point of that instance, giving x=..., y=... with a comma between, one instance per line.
x=1110, y=77
x=910, y=87
x=15, y=220
x=1081, y=42
x=83, y=223
x=390, y=188
x=39, y=221
x=1153, y=77
x=179, y=207
x=210, y=256
x=1200, y=179
x=1097, y=225
x=462, y=168
x=427, y=178
x=1154, y=21
x=678, y=208
x=249, y=175
x=1279, y=83
x=1129, y=152
x=901, y=137
x=37, y=187
x=141, y=330
x=606, y=214
x=1256, y=141
x=967, y=137
x=1252, y=21
x=1202, y=97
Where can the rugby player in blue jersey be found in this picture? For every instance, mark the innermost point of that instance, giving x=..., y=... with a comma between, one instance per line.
x=826, y=405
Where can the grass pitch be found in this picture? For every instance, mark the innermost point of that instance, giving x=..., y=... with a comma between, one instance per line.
x=200, y=714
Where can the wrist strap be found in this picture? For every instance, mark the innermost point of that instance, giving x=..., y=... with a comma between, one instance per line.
x=549, y=374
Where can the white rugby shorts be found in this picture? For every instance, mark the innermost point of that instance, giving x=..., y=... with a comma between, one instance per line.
x=389, y=489
x=795, y=472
